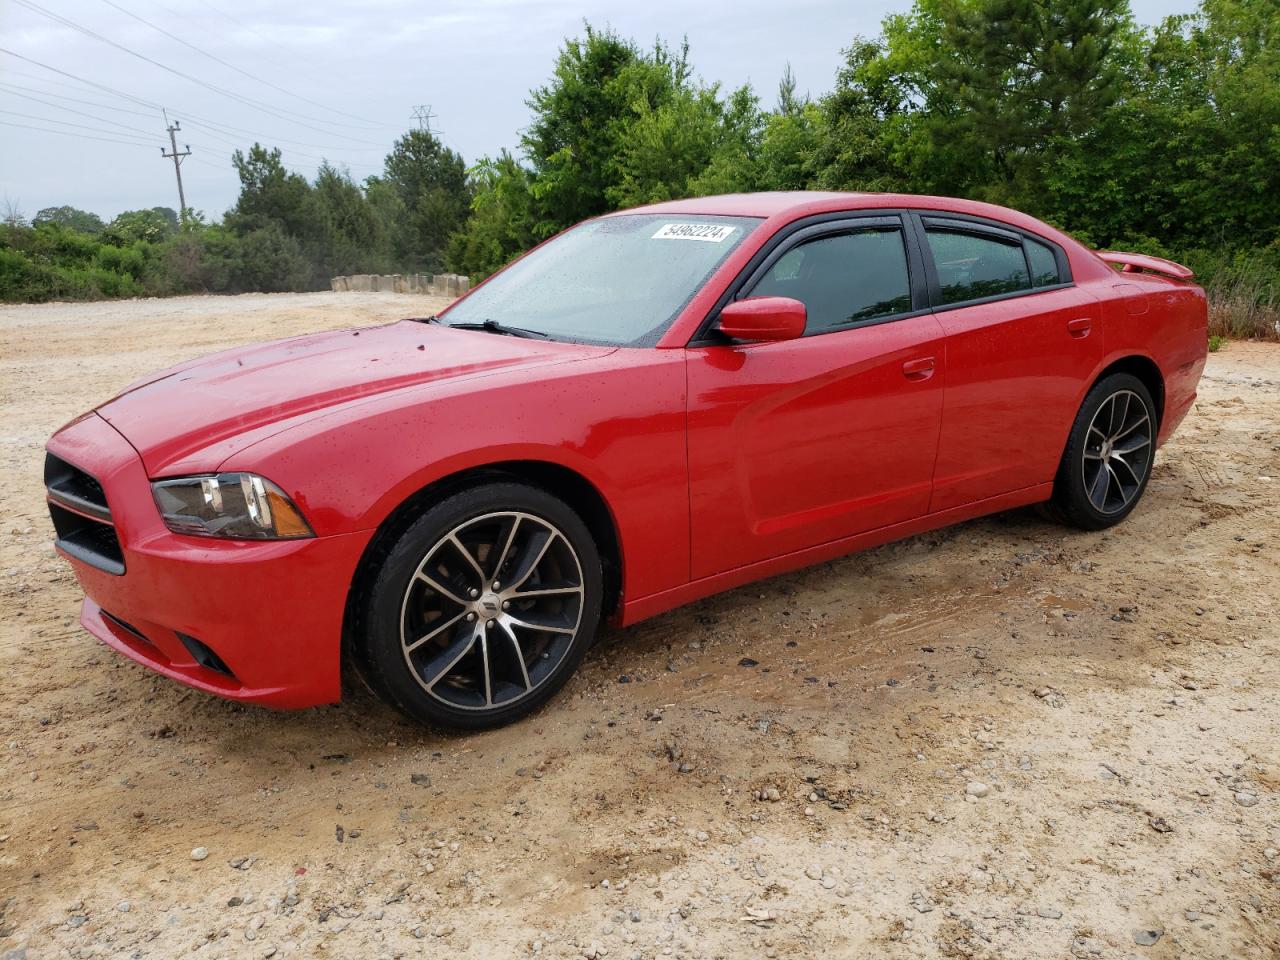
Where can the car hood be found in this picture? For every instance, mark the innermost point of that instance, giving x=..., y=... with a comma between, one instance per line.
x=205, y=404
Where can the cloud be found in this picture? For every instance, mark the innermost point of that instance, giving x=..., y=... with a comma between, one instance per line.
x=367, y=65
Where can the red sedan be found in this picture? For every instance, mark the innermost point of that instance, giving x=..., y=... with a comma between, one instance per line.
x=651, y=407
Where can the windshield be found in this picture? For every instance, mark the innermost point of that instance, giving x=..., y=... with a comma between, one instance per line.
x=617, y=280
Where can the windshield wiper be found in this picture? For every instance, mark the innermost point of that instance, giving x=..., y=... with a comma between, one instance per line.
x=493, y=326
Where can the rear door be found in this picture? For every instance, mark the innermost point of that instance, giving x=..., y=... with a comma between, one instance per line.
x=801, y=442
x=1021, y=342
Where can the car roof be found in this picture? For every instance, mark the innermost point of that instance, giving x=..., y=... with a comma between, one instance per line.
x=789, y=205
x=766, y=204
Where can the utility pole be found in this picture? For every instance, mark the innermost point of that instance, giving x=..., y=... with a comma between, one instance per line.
x=173, y=128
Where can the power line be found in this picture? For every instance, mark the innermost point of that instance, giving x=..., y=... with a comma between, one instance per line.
x=200, y=121
x=72, y=133
x=92, y=83
x=225, y=127
x=232, y=66
x=68, y=123
x=279, y=114
x=285, y=151
x=17, y=90
x=81, y=113
x=216, y=8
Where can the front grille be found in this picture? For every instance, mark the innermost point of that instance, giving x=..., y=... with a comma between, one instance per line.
x=81, y=517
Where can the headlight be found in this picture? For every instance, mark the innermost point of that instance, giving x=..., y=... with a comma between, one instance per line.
x=240, y=506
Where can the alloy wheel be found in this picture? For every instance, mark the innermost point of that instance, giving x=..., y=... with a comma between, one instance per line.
x=1117, y=452
x=492, y=610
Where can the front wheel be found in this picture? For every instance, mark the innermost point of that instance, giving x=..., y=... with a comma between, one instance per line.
x=482, y=609
x=1109, y=454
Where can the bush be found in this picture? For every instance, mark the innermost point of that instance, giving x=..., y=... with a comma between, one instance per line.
x=24, y=281
x=1244, y=290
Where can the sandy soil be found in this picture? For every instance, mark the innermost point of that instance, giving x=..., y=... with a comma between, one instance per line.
x=1116, y=694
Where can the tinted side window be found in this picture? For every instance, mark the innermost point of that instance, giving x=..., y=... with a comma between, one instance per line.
x=843, y=279
x=1044, y=265
x=971, y=265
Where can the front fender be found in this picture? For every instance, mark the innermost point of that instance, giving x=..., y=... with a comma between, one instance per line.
x=618, y=422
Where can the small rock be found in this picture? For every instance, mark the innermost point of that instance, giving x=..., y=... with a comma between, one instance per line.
x=1160, y=825
x=1049, y=913
x=123, y=906
x=1246, y=799
x=420, y=779
x=1146, y=938
x=748, y=662
x=200, y=853
x=977, y=789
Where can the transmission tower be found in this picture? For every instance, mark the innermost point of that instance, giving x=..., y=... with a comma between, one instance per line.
x=422, y=113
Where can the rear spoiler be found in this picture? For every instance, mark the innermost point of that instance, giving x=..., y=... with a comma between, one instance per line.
x=1133, y=262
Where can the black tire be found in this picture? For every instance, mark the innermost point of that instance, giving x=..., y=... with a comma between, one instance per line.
x=420, y=611
x=1110, y=450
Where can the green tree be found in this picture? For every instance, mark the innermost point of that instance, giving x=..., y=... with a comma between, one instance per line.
x=976, y=97
x=134, y=226
x=269, y=193
x=1025, y=76
x=618, y=126
x=429, y=181
x=345, y=234
x=72, y=218
x=689, y=142
x=574, y=138
x=789, y=141
x=864, y=122
x=502, y=219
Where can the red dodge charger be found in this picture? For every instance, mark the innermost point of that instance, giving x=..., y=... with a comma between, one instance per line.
x=653, y=406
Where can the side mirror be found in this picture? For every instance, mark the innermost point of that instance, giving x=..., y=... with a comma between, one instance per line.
x=763, y=318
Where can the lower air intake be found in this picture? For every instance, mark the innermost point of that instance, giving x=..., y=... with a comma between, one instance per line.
x=203, y=654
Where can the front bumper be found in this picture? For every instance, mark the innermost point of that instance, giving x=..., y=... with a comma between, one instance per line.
x=270, y=613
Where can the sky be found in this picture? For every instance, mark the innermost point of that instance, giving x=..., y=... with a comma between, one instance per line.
x=339, y=80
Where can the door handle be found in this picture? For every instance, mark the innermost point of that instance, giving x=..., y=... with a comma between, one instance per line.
x=1079, y=327
x=918, y=369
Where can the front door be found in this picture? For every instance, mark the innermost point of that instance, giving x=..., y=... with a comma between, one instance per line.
x=801, y=442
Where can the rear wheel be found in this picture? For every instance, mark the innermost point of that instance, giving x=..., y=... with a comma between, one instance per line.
x=1109, y=454
x=482, y=609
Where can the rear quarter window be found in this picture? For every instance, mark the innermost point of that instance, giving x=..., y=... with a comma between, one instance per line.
x=971, y=266
x=1044, y=264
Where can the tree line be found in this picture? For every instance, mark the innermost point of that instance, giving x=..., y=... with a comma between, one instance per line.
x=1162, y=139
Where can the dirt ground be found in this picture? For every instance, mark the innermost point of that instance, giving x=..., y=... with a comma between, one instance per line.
x=1114, y=696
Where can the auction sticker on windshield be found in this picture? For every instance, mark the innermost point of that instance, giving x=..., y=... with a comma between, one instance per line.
x=711, y=232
